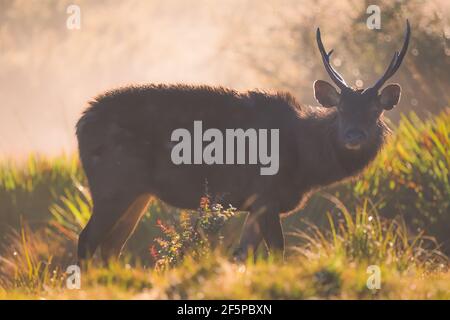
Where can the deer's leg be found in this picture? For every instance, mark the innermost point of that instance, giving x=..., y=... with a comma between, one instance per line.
x=113, y=244
x=272, y=233
x=262, y=223
x=251, y=237
x=117, y=177
x=107, y=211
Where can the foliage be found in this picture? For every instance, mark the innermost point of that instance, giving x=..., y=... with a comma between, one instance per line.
x=28, y=188
x=328, y=265
x=366, y=238
x=196, y=234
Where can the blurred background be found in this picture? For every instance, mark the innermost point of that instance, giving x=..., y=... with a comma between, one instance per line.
x=49, y=72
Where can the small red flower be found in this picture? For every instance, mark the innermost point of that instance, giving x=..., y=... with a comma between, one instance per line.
x=204, y=202
x=153, y=252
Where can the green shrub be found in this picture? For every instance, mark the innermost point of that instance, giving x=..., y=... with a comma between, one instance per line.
x=196, y=234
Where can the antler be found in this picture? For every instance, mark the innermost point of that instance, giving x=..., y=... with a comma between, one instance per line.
x=395, y=62
x=334, y=75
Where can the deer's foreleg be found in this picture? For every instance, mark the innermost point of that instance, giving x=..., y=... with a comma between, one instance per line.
x=262, y=223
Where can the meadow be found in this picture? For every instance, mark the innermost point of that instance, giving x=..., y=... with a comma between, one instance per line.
x=393, y=219
x=369, y=221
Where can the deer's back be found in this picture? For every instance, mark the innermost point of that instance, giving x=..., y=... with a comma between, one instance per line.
x=133, y=127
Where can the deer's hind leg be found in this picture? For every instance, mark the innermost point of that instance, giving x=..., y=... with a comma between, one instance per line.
x=112, y=245
x=114, y=218
x=118, y=181
x=105, y=214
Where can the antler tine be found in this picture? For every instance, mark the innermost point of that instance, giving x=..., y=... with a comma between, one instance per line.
x=395, y=62
x=335, y=72
x=334, y=75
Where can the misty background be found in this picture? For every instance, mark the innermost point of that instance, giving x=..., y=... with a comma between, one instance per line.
x=48, y=72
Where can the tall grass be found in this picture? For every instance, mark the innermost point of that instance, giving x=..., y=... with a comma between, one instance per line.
x=329, y=264
x=28, y=188
x=366, y=237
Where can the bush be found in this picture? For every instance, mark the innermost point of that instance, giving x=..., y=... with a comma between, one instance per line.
x=196, y=234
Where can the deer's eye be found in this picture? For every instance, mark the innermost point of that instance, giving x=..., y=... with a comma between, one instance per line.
x=374, y=112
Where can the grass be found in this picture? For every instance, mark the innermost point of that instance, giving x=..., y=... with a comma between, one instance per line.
x=329, y=265
x=394, y=217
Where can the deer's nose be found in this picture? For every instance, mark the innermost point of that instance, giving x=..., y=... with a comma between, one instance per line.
x=354, y=138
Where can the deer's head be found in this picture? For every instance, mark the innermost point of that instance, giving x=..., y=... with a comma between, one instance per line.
x=358, y=111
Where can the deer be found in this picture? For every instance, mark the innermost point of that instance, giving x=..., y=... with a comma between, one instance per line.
x=124, y=142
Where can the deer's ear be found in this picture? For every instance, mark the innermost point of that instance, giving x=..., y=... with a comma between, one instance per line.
x=390, y=96
x=326, y=94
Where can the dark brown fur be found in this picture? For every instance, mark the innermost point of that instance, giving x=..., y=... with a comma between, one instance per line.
x=124, y=144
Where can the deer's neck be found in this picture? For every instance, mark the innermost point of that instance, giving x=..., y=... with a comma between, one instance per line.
x=329, y=162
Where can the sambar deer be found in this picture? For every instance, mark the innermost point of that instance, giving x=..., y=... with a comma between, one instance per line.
x=125, y=148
